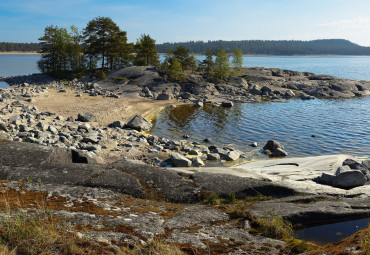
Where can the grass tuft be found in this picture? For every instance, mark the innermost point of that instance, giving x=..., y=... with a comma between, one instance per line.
x=37, y=234
x=274, y=226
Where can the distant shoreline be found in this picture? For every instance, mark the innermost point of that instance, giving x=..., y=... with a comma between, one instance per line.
x=19, y=53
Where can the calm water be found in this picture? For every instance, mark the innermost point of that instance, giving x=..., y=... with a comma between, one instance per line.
x=11, y=65
x=340, y=126
x=332, y=232
x=349, y=67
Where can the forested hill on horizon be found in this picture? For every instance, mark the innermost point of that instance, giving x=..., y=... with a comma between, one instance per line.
x=263, y=47
x=257, y=47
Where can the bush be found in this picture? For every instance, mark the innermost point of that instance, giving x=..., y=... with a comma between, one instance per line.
x=102, y=75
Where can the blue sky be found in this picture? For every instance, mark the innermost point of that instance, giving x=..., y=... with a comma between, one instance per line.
x=184, y=20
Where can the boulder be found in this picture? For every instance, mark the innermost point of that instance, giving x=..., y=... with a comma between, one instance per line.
x=179, y=160
x=227, y=104
x=86, y=117
x=279, y=153
x=349, y=179
x=289, y=93
x=139, y=123
x=255, y=144
x=197, y=162
x=366, y=163
x=306, y=97
x=355, y=165
x=165, y=96
x=232, y=155
x=198, y=104
x=325, y=178
x=213, y=156
x=272, y=146
x=342, y=169
x=117, y=123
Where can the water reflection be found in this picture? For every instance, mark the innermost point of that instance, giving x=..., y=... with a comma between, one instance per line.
x=304, y=127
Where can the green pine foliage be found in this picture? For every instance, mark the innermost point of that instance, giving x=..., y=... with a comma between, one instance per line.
x=237, y=60
x=222, y=66
x=265, y=47
x=146, y=54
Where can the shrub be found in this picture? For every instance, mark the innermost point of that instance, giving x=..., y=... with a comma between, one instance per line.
x=102, y=75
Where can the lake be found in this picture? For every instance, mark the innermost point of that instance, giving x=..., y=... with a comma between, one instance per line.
x=12, y=65
x=338, y=126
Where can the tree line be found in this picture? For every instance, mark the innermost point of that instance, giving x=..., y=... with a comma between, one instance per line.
x=315, y=47
x=23, y=47
x=100, y=45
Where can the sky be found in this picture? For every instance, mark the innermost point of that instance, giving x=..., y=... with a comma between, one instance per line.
x=194, y=20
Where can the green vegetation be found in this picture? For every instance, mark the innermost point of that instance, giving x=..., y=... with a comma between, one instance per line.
x=68, y=54
x=145, y=51
x=22, y=47
x=315, y=47
x=237, y=60
x=104, y=39
x=222, y=65
x=39, y=234
x=274, y=226
x=365, y=241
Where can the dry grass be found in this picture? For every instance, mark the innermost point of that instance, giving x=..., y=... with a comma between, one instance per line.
x=37, y=234
x=274, y=226
x=153, y=248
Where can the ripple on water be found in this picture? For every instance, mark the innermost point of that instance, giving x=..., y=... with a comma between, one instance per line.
x=340, y=126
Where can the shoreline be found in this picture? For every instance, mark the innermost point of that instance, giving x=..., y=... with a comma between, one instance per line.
x=19, y=53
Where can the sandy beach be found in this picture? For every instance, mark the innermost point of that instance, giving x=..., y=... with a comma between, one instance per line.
x=106, y=110
x=19, y=53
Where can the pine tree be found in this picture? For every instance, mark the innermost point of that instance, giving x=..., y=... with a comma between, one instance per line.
x=105, y=40
x=237, y=60
x=208, y=62
x=222, y=65
x=146, y=53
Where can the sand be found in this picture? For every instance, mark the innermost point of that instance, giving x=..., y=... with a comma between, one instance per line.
x=19, y=53
x=106, y=110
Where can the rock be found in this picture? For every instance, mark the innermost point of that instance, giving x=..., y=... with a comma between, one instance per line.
x=306, y=97
x=198, y=104
x=356, y=166
x=325, y=178
x=255, y=144
x=197, y=162
x=53, y=130
x=86, y=117
x=186, y=136
x=227, y=104
x=118, y=124
x=289, y=93
x=213, y=156
x=366, y=163
x=279, y=153
x=342, y=169
x=3, y=126
x=139, y=123
x=165, y=96
x=272, y=145
x=194, y=152
x=232, y=156
x=207, y=140
x=349, y=179
x=179, y=160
